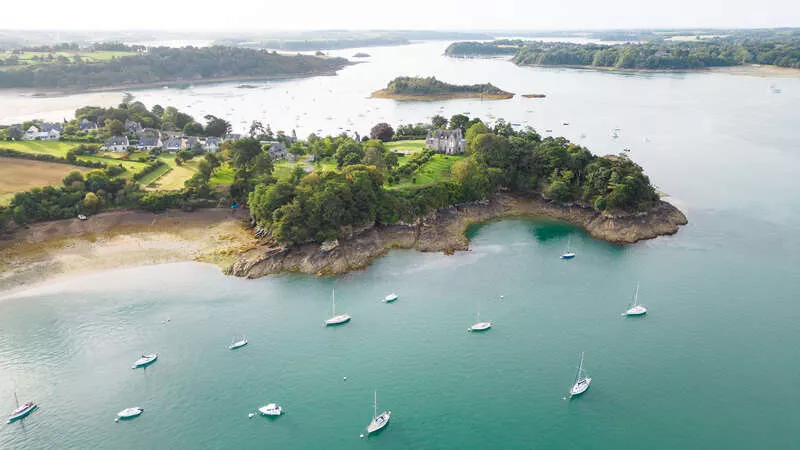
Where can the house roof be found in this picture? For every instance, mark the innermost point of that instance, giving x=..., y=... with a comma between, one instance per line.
x=116, y=141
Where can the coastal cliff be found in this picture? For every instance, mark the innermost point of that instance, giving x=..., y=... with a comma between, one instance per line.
x=443, y=231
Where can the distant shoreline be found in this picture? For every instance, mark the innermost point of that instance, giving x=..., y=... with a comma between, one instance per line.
x=138, y=86
x=384, y=93
x=747, y=70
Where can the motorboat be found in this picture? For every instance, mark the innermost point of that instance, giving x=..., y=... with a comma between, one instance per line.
x=379, y=421
x=480, y=326
x=21, y=411
x=145, y=361
x=581, y=383
x=636, y=309
x=336, y=319
x=272, y=409
x=238, y=344
x=390, y=298
x=130, y=413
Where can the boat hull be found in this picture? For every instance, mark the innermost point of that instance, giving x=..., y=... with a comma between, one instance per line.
x=145, y=361
x=480, y=326
x=580, y=387
x=22, y=414
x=236, y=345
x=338, y=320
x=568, y=256
x=390, y=298
x=271, y=410
x=130, y=413
x=636, y=311
x=379, y=422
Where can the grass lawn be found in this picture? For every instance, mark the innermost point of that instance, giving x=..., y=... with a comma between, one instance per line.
x=27, y=58
x=325, y=164
x=170, y=177
x=438, y=169
x=55, y=148
x=405, y=146
x=223, y=175
x=17, y=175
x=150, y=178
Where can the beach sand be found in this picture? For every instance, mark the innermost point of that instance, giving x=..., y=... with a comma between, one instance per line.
x=119, y=239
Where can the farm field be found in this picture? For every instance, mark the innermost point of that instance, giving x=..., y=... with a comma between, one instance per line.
x=31, y=59
x=17, y=175
x=405, y=146
x=438, y=169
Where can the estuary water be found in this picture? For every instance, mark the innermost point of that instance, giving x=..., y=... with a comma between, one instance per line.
x=712, y=365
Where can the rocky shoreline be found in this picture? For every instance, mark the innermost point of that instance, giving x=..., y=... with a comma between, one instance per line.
x=443, y=231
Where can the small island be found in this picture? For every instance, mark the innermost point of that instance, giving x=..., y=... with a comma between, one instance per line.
x=429, y=89
x=361, y=55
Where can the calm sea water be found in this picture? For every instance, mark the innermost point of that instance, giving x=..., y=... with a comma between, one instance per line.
x=713, y=365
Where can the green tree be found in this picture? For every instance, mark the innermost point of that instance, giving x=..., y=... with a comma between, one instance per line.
x=438, y=121
x=114, y=127
x=459, y=121
x=216, y=126
x=193, y=129
x=474, y=131
x=91, y=203
x=382, y=132
x=72, y=177
x=349, y=153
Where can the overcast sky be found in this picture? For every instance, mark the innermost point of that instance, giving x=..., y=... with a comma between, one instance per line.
x=267, y=15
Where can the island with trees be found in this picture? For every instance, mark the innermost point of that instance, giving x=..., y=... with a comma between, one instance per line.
x=656, y=55
x=428, y=89
x=112, y=66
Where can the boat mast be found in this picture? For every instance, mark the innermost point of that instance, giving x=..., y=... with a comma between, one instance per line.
x=636, y=295
x=333, y=301
x=375, y=405
x=16, y=400
x=580, y=368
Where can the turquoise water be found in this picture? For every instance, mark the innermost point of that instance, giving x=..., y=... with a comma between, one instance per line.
x=712, y=365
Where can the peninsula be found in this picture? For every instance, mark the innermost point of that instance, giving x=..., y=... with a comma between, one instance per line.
x=429, y=89
x=106, y=66
x=656, y=55
x=320, y=205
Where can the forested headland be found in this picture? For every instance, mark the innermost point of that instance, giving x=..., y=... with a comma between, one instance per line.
x=164, y=65
x=653, y=55
x=418, y=88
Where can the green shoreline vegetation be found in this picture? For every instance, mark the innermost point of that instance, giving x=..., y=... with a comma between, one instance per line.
x=109, y=65
x=418, y=88
x=654, y=55
x=385, y=178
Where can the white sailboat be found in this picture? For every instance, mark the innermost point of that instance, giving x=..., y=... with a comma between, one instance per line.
x=238, y=344
x=379, y=421
x=130, y=413
x=480, y=326
x=568, y=254
x=272, y=409
x=390, y=298
x=636, y=309
x=581, y=383
x=145, y=360
x=336, y=319
x=21, y=411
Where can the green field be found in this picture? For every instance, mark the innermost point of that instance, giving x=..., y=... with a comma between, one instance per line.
x=437, y=170
x=28, y=59
x=222, y=176
x=55, y=148
x=406, y=146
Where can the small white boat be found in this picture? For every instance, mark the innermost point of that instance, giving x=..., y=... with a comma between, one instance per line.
x=272, y=409
x=82, y=217
x=238, y=344
x=21, y=411
x=145, y=361
x=390, y=298
x=480, y=326
x=336, y=319
x=568, y=254
x=581, y=383
x=130, y=413
x=636, y=309
x=379, y=421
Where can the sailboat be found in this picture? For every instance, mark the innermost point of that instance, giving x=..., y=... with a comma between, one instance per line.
x=581, y=383
x=480, y=326
x=238, y=344
x=636, y=309
x=390, y=298
x=379, y=421
x=336, y=320
x=21, y=411
x=568, y=254
x=145, y=360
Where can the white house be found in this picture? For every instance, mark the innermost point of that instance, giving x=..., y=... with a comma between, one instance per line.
x=31, y=134
x=212, y=144
x=116, y=144
x=173, y=144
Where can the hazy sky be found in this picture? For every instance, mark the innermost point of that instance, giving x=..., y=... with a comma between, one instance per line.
x=228, y=15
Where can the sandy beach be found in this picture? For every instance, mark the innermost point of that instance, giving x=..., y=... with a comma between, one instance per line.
x=118, y=239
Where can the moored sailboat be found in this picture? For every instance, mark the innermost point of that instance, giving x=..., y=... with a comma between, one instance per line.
x=336, y=319
x=581, y=383
x=21, y=411
x=379, y=421
x=636, y=309
x=568, y=254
